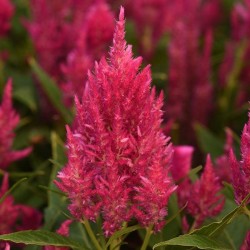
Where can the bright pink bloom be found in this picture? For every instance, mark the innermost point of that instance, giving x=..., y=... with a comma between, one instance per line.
x=9, y=119
x=241, y=169
x=118, y=157
x=54, y=30
x=182, y=160
x=94, y=38
x=98, y=28
x=189, y=86
x=222, y=163
x=204, y=200
x=16, y=217
x=246, y=243
x=6, y=13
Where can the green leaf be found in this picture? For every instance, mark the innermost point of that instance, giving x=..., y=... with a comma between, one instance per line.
x=208, y=142
x=122, y=232
x=215, y=228
x=51, y=90
x=193, y=240
x=41, y=238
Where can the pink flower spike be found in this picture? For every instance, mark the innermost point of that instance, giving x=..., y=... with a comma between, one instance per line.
x=241, y=169
x=9, y=119
x=222, y=163
x=22, y=217
x=182, y=159
x=118, y=157
x=204, y=200
x=6, y=13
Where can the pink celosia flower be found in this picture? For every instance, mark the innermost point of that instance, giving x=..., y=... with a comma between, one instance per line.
x=241, y=170
x=189, y=86
x=94, y=38
x=6, y=12
x=63, y=230
x=240, y=21
x=98, y=33
x=118, y=157
x=16, y=217
x=222, y=163
x=54, y=30
x=246, y=243
x=182, y=160
x=9, y=119
x=204, y=200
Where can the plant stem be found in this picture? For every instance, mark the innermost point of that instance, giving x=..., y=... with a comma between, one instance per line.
x=246, y=211
x=147, y=237
x=91, y=234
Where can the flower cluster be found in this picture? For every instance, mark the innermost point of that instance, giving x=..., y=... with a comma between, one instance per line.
x=16, y=217
x=190, y=98
x=118, y=157
x=6, y=13
x=201, y=197
x=68, y=39
x=237, y=49
x=9, y=119
x=94, y=38
x=241, y=169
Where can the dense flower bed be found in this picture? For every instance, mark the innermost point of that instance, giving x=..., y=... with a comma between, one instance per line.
x=108, y=145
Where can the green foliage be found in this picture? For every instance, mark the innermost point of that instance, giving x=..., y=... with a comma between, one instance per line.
x=41, y=238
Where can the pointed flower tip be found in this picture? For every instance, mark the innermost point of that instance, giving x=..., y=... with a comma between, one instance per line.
x=121, y=15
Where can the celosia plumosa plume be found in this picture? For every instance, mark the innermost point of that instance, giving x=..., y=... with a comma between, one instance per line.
x=189, y=86
x=182, y=162
x=240, y=21
x=222, y=163
x=241, y=170
x=94, y=38
x=118, y=157
x=204, y=200
x=182, y=159
x=54, y=30
x=98, y=34
x=6, y=12
x=9, y=119
x=16, y=217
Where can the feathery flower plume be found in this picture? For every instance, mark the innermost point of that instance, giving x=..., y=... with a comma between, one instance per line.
x=94, y=38
x=222, y=163
x=182, y=159
x=189, y=86
x=204, y=200
x=6, y=13
x=54, y=30
x=240, y=21
x=241, y=169
x=9, y=119
x=16, y=217
x=118, y=157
